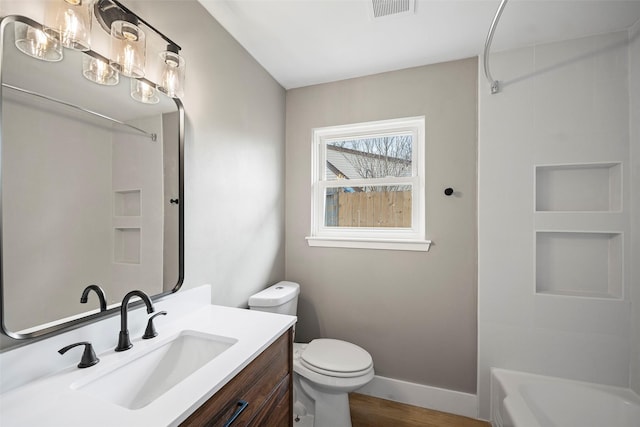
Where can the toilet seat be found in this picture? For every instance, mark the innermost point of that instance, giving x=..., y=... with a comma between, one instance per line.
x=336, y=358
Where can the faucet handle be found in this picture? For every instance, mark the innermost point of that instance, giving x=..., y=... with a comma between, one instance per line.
x=150, y=332
x=89, y=357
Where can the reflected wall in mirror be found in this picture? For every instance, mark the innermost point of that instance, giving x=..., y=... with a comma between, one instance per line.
x=91, y=180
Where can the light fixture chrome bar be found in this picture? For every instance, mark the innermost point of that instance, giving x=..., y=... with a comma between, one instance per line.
x=153, y=136
x=495, y=85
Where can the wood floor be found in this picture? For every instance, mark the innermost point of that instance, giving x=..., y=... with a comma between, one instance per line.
x=367, y=411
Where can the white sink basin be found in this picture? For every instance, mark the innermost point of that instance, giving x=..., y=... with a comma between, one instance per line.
x=136, y=384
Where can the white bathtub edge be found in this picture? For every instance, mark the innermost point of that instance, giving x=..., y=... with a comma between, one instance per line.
x=509, y=408
x=439, y=399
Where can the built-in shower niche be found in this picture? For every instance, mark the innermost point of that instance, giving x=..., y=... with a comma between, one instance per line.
x=595, y=187
x=127, y=245
x=579, y=264
x=127, y=203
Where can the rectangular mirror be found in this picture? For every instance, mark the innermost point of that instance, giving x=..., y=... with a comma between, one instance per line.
x=92, y=187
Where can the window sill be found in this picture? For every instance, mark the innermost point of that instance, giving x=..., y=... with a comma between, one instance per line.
x=356, y=243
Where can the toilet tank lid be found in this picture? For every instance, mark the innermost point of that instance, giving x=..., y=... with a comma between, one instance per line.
x=275, y=295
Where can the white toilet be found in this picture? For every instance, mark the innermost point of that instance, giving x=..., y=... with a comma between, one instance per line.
x=325, y=370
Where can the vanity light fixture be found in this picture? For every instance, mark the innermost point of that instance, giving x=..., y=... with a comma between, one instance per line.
x=128, y=48
x=69, y=21
x=68, y=24
x=34, y=42
x=172, y=79
x=98, y=71
x=143, y=92
x=128, y=52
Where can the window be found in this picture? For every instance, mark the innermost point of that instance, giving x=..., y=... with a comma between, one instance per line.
x=368, y=185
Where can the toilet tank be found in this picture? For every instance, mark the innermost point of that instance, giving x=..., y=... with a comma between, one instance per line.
x=280, y=298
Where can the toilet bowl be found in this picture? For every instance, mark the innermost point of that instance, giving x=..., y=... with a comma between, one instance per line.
x=324, y=370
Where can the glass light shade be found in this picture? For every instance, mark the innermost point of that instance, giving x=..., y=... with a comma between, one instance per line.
x=36, y=43
x=99, y=71
x=143, y=92
x=128, y=48
x=172, y=78
x=70, y=22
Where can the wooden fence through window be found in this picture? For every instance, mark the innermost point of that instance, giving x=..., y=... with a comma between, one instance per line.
x=375, y=209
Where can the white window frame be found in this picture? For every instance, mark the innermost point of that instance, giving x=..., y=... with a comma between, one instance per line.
x=412, y=239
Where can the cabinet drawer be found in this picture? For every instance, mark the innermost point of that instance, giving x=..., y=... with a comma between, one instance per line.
x=260, y=383
x=275, y=412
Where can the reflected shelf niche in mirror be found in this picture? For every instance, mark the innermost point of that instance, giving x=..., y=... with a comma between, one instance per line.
x=87, y=178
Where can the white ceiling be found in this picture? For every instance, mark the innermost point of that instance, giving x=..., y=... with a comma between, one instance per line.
x=305, y=42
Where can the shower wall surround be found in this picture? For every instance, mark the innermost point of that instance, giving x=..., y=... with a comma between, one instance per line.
x=634, y=121
x=556, y=196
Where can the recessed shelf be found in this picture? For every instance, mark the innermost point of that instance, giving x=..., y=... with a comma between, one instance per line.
x=127, y=203
x=593, y=187
x=579, y=264
x=127, y=245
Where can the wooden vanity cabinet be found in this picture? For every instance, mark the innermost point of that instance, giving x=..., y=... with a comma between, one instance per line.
x=266, y=384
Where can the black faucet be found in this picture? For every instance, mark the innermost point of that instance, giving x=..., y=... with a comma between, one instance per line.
x=98, y=290
x=123, y=339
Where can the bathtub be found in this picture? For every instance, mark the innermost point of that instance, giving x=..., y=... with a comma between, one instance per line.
x=520, y=399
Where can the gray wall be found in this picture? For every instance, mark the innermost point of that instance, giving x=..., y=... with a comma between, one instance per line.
x=415, y=312
x=50, y=251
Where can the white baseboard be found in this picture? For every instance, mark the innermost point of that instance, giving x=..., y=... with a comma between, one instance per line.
x=439, y=399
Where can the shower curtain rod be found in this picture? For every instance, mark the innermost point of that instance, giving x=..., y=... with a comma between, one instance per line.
x=495, y=85
x=153, y=136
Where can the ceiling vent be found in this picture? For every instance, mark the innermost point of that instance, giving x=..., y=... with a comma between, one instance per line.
x=382, y=8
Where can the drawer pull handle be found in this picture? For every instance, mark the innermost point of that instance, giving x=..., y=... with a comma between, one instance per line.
x=242, y=405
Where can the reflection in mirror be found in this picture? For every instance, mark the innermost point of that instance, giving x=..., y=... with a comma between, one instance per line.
x=90, y=180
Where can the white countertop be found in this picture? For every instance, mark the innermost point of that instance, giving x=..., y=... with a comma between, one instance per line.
x=52, y=401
